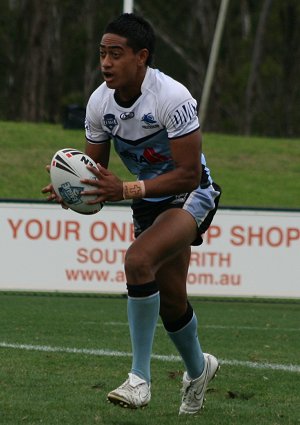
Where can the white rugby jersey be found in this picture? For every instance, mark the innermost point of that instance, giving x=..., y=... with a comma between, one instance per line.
x=142, y=132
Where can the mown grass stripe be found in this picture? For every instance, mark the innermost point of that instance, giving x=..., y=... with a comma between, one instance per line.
x=247, y=328
x=166, y=358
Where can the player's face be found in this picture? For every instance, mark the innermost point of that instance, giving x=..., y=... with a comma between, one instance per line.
x=122, y=69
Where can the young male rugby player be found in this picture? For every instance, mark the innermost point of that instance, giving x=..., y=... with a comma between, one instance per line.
x=152, y=121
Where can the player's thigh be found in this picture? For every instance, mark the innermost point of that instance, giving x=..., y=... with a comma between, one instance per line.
x=171, y=278
x=171, y=232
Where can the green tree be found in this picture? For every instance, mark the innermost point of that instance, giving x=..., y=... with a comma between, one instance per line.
x=50, y=58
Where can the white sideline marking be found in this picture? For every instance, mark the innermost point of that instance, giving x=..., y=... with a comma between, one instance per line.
x=171, y=358
x=250, y=328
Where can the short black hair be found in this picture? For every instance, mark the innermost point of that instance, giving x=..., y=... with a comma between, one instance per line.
x=138, y=32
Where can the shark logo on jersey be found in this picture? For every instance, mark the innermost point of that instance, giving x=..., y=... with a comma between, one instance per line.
x=149, y=121
x=149, y=118
x=110, y=121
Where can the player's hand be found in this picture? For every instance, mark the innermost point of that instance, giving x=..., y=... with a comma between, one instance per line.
x=52, y=194
x=108, y=187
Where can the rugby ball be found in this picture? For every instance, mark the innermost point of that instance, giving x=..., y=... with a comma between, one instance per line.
x=68, y=167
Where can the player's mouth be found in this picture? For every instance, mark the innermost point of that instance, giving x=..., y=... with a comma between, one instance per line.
x=108, y=76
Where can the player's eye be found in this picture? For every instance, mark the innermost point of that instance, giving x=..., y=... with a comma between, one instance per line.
x=115, y=55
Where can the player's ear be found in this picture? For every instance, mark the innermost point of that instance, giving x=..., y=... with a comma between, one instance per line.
x=143, y=55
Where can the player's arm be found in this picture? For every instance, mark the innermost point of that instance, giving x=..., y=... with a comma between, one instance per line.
x=186, y=176
x=179, y=114
x=99, y=152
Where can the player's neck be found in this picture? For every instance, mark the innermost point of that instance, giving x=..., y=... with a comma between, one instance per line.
x=130, y=93
x=126, y=102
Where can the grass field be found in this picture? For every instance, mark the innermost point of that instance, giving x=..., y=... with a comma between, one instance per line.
x=257, y=172
x=60, y=355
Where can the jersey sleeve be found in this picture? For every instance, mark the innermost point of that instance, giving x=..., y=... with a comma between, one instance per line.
x=94, y=132
x=180, y=112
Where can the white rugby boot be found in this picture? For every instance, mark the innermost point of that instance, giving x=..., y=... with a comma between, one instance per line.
x=194, y=389
x=133, y=393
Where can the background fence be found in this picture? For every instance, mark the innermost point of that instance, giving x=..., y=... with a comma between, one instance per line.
x=245, y=252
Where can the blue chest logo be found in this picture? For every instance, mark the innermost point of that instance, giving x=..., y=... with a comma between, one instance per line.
x=148, y=118
x=149, y=121
x=110, y=121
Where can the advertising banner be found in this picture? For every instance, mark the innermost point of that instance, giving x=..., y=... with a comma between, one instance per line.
x=245, y=252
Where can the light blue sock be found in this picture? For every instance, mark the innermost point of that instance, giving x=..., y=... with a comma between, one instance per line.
x=187, y=343
x=142, y=318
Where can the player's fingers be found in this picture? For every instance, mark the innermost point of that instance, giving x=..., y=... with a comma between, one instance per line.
x=103, y=171
x=99, y=171
x=91, y=192
x=94, y=170
x=96, y=201
x=51, y=197
x=47, y=188
x=91, y=182
x=97, y=194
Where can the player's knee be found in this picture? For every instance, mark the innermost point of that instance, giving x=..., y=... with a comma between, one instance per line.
x=136, y=264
